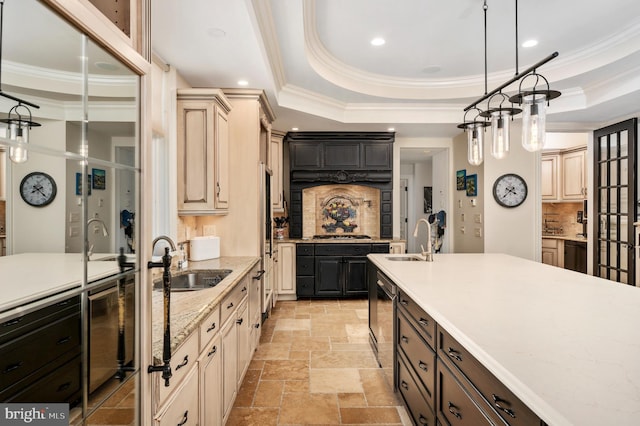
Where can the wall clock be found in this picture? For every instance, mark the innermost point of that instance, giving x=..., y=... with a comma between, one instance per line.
x=38, y=189
x=510, y=190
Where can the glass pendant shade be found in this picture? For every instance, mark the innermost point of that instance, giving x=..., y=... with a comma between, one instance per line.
x=500, y=134
x=475, y=144
x=19, y=132
x=534, y=122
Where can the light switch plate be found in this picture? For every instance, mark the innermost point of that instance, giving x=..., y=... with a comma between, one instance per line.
x=477, y=218
x=478, y=232
x=462, y=217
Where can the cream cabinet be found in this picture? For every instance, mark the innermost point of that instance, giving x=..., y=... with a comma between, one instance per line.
x=397, y=247
x=286, y=271
x=184, y=405
x=275, y=164
x=553, y=252
x=229, y=365
x=203, y=151
x=210, y=383
x=574, y=176
x=549, y=177
x=255, y=308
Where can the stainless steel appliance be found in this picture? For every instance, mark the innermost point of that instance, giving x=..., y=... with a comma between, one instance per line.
x=103, y=330
x=382, y=326
x=266, y=239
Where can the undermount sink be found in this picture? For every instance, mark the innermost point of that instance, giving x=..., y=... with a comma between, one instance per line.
x=404, y=258
x=195, y=280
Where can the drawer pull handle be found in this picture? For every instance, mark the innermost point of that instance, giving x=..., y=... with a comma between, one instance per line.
x=405, y=339
x=257, y=325
x=423, y=421
x=12, y=322
x=259, y=274
x=230, y=305
x=184, y=362
x=12, y=367
x=423, y=321
x=497, y=401
x=63, y=340
x=454, y=354
x=404, y=385
x=63, y=303
x=64, y=387
x=454, y=410
x=422, y=366
x=404, y=302
x=213, y=327
x=185, y=418
x=244, y=289
x=213, y=351
x=239, y=321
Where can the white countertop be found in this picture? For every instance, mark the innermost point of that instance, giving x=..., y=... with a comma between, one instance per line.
x=31, y=276
x=567, y=344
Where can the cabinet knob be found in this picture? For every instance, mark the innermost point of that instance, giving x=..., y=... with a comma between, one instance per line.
x=423, y=421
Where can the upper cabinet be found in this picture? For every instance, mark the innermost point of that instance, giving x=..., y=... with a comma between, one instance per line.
x=203, y=152
x=275, y=164
x=564, y=175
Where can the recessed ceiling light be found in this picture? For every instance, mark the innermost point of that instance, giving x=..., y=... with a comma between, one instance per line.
x=243, y=83
x=391, y=129
x=530, y=43
x=378, y=41
x=295, y=129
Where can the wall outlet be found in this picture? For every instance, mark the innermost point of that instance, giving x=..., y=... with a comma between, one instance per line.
x=74, y=217
x=473, y=202
x=462, y=229
x=74, y=231
x=208, y=229
x=459, y=204
x=477, y=218
x=478, y=232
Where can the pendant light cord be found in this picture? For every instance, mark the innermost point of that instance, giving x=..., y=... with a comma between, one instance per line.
x=516, y=37
x=485, y=7
x=1, y=28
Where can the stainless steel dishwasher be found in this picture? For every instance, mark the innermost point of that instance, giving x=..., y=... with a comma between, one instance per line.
x=385, y=329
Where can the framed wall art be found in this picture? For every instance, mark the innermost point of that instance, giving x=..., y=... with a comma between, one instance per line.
x=472, y=185
x=461, y=180
x=99, y=179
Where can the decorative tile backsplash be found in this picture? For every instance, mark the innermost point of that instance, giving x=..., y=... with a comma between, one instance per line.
x=341, y=209
x=560, y=218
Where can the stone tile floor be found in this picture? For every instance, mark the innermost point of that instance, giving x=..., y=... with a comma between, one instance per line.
x=314, y=365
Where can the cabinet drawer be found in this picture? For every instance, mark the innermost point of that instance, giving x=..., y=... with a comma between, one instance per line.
x=380, y=248
x=454, y=405
x=510, y=408
x=233, y=300
x=420, y=357
x=209, y=327
x=24, y=355
x=419, y=408
x=182, y=361
x=549, y=243
x=183, y=409
x=343, y=249
x=305, y=286
x=425, y=325
x=304, y=249
x=305, y=265
x=21, y=325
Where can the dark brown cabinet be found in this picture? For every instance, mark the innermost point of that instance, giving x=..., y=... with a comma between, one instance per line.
x=334, y=270
x=40, y=355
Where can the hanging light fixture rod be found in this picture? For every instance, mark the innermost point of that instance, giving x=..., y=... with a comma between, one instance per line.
x=515, y=78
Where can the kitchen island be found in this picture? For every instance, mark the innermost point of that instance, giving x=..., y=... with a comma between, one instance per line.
x=566, y=344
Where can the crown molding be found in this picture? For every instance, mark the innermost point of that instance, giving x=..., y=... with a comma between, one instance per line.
x=266, y=28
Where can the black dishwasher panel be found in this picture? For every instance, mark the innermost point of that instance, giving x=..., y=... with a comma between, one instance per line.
x=575, y=256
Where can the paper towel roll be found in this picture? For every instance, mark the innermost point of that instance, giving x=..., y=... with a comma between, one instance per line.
x=204, y=248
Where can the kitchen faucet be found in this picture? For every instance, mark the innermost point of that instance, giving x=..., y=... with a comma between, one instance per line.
x=105, y=233
x=428, y=253
x=171, y=244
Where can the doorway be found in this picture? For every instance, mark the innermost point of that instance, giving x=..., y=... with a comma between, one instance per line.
x=615, y=207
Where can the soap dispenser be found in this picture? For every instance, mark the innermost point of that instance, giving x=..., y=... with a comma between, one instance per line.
x=183, y=262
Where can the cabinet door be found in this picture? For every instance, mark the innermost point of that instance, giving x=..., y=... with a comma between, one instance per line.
x=210, y=384
x=229, y=365
x=183, y=408
x=573, y=176
x=342, y=155
x=550, y=256
x=549, y=177
x=328, y=276
x=275, y=164
x=286, y=269
x=195, y=156
x=244, y=345
x=222, y=160
x=355, y=276
x=378, y=156
x=305, y=156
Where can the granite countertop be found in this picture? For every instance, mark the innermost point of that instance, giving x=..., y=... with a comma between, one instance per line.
x=565, y=237
x=189, y=308
x=565, y=343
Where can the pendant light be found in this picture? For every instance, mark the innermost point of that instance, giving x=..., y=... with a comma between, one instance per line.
x=17, y=125
x=475, y=137
x=534, y=117
x=501, y=118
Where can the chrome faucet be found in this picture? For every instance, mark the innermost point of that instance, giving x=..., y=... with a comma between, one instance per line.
x=428, y=253
x=105, y=233
x=165, y=238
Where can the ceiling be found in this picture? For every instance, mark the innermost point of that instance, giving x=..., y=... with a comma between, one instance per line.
x=315, y=61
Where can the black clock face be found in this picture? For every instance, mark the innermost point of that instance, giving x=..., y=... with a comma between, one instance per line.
x=38, y=189
x=510, y=190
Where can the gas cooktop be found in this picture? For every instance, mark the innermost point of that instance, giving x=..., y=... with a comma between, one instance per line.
x=341, y=237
